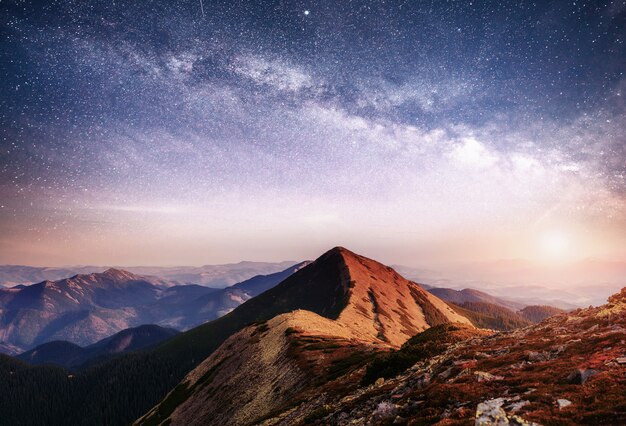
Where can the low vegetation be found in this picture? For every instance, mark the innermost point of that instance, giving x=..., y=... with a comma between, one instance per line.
x=429, y=343
x=491, y=316
x=538, y=313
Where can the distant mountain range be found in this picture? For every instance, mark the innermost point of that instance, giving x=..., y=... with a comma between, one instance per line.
x=567, y=285
x=69, y=355
x=487, y=311
x=471, y=295
x=216, y=276
x=84, y=309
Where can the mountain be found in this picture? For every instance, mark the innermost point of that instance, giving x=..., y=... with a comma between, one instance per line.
x=538, y=313
x=69, y=355
x=216, y=276
x=120, y=390
x=204, y=307
x=459, y=297
x=327, y=287
x=566, y=285
x=12, y=275
x=82, y=309
x=491, y=316
x=86, y=308
x=322, y=321
x=567, y=370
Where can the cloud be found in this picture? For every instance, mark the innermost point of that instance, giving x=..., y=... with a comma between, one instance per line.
x=472, y=152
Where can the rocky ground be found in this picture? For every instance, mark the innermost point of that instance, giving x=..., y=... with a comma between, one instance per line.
x=568, y=370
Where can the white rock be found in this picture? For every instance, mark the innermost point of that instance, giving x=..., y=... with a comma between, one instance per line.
x=562, y=403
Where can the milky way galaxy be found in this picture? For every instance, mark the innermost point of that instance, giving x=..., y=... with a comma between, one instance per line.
x=191, y=132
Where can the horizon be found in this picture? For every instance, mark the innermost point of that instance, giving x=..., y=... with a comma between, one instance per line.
x=443, y=134
x=494, y=261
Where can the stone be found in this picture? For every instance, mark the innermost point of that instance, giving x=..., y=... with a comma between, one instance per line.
x=386, y=410
x=621, y=360
x=445, y=374
x=516, y=406
x=483, y=376
x=518, y=421
x=490, y=413
x=562, y=403
x=380, y=381
x=580, y=376
x=535, y=356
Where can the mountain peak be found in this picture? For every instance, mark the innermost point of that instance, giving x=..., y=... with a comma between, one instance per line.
x=364, y=295
x=119, y=274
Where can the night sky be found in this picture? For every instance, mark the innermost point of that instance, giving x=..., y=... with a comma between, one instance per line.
x=192, y=132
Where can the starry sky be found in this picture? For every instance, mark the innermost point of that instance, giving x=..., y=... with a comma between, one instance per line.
x=190, y=132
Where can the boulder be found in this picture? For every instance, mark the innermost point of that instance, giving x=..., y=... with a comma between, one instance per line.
x=562, y=403
x=580, y=376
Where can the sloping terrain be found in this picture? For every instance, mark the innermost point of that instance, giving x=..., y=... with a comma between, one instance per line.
x=358, y=293
x=261, y=368
x=568, y=370
x=339, y=285
x=82, y=309
x=459, y=297
x=490, y=316
x=69, y=355
x=537, y=313
x=364, y=307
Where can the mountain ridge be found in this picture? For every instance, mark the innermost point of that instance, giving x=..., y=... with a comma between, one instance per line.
x=341, y=300
x=69, y=355
x=86, y=308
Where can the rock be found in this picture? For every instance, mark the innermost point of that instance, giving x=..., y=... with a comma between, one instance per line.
x=580, y=376
x=516, y=406
x=621, y=360
x=562, y=403
x=380, y=381
x=386, y=410
x=518, y=421
x=534, y=356
x=445, y=374
x=483, y=376
x=490, y=413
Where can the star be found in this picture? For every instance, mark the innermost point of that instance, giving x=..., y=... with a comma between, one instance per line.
x=307, y=12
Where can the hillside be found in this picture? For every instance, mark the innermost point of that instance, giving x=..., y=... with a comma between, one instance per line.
x=82, y=309
x=490, y=316
x=350, y=305
x=567, y=370
x=537, y=313
x=328, y=287
x=470, y=295
x=71, y=356
x=263, y=367
x=121, y=390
